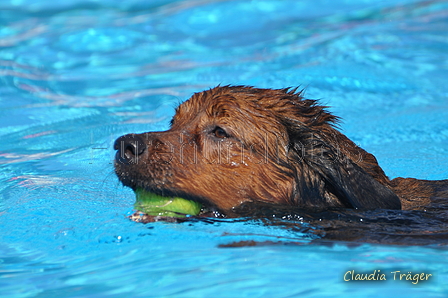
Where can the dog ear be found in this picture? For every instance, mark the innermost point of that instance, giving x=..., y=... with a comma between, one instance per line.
x=335, y=179
x=352, y=185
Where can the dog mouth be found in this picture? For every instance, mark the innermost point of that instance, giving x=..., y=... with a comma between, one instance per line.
x=163, y=204
x=156, y=205
x=151, y=207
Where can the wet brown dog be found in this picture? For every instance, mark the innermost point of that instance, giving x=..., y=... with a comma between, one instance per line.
x=234, y=144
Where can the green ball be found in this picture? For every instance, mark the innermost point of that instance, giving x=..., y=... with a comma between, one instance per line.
x=156, y=205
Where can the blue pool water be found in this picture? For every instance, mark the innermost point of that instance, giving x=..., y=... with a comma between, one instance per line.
x=77, y=74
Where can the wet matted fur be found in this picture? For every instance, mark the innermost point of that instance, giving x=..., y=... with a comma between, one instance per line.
x=235, y=144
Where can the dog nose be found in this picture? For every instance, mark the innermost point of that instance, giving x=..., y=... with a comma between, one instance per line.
x=129, y=148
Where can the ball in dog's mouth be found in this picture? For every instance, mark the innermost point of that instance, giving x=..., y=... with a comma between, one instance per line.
x=156, y=205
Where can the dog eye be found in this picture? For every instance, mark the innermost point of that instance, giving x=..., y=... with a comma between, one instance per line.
x=220, y=133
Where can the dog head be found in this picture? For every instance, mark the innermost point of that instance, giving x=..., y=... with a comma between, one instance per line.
x=234, y=144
